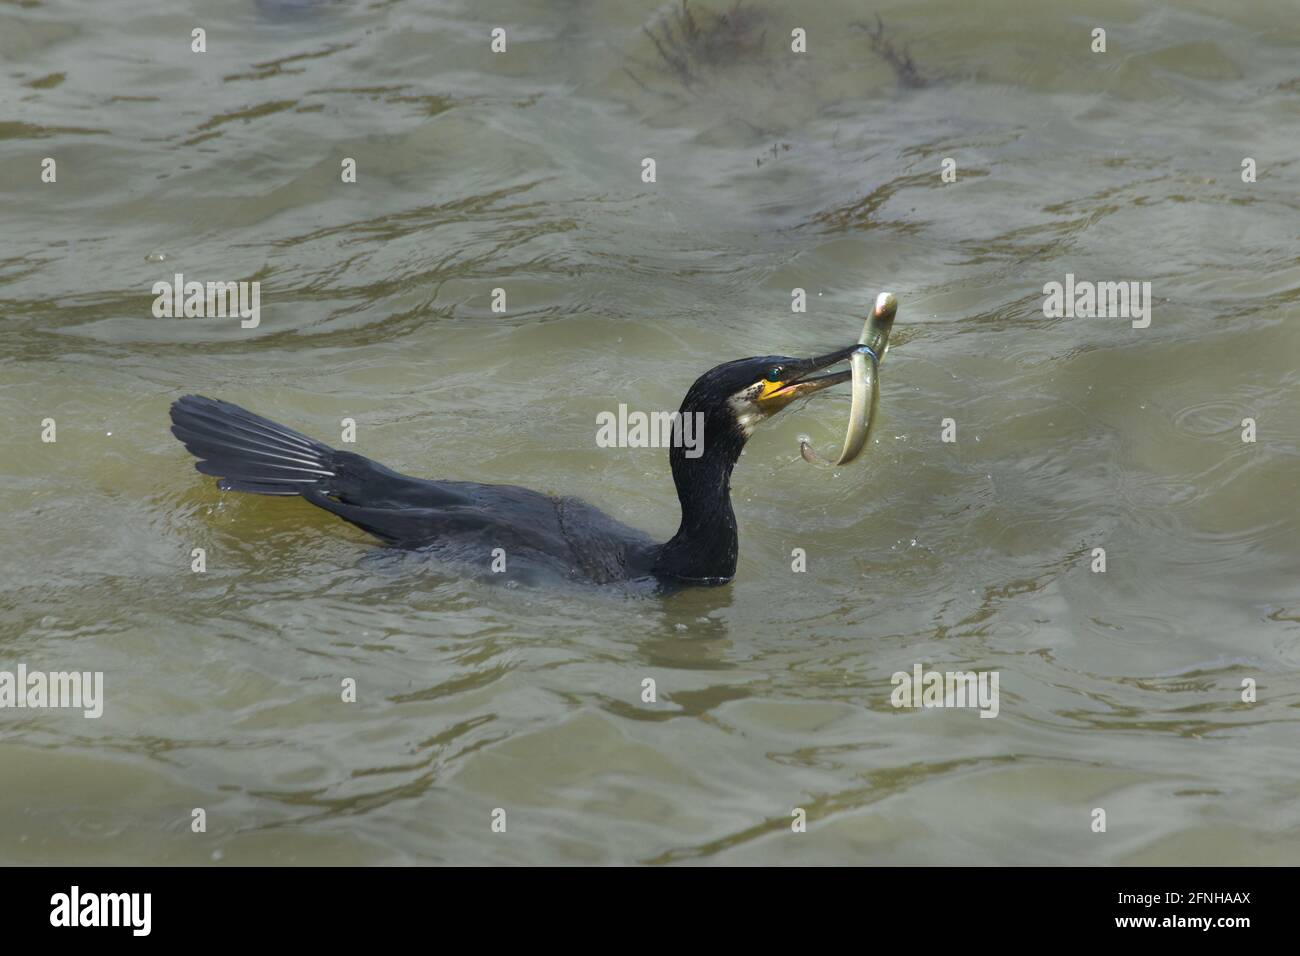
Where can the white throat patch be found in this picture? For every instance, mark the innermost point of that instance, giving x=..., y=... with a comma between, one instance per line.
x=747, y=413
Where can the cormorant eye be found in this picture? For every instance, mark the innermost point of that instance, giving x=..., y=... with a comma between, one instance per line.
x=774, y=373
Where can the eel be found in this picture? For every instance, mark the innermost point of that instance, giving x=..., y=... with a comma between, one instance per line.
x=865, y=364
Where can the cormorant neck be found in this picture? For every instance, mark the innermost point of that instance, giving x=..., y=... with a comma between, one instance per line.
x=705, y=545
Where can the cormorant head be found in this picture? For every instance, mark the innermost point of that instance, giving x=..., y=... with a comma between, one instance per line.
x=753, y=389
x=726, y=403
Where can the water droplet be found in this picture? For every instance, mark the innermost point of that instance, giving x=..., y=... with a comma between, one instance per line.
x=156, y=257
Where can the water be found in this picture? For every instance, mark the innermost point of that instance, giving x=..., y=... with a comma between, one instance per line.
x=1119, y=691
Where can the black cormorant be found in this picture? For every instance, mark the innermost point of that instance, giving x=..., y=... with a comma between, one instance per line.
x=467, y=520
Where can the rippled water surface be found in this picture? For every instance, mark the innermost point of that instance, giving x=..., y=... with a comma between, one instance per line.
x=1119, y=690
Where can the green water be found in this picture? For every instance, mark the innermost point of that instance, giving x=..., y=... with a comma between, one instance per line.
x=1119, y=690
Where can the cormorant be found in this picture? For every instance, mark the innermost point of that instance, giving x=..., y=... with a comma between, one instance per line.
x=467, y=520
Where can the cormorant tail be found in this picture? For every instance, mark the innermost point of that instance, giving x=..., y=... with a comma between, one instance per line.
x=249, y=452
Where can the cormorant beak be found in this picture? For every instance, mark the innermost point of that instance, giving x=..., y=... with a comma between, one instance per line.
x=801, y=381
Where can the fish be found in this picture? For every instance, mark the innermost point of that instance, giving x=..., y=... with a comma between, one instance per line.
x=865, y=365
